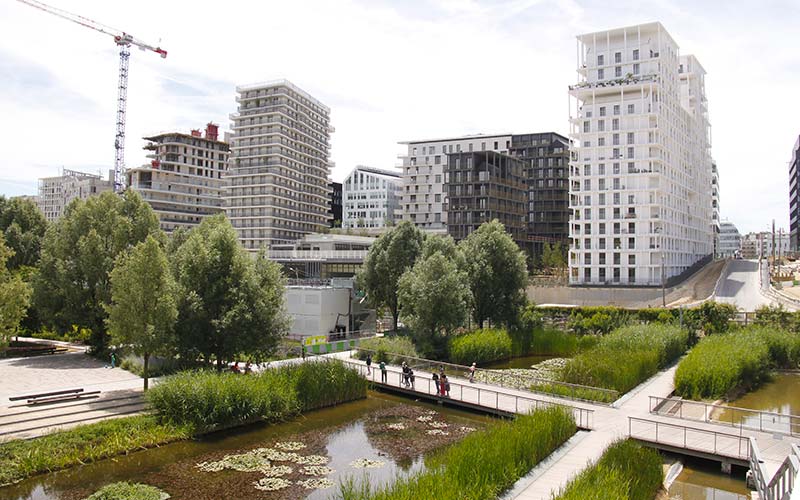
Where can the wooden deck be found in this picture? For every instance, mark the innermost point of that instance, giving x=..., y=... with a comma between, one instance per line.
x=630, y=418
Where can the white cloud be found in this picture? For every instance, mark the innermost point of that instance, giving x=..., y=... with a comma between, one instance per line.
x=390, y=71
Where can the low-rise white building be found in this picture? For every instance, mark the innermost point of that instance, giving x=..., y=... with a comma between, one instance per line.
x=371, y=198
x=760, y=244
x=55, y=193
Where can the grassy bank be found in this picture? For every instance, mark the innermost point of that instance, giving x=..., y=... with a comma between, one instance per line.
x=626, y=471
x=482, y=465
x=721, y=364
x=627, y=356
x=187, y=404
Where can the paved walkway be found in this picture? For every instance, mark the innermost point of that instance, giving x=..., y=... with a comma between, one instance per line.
x=607, y=424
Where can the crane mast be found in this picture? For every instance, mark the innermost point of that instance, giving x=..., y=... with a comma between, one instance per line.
x=124, y=41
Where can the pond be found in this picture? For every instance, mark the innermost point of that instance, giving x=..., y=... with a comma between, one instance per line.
x=702, y=480
x=381, y=438
x=780, y=395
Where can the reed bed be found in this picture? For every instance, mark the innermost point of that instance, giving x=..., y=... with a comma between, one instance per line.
x=627, y=356
x=482, y=465
x=720, y=365
x=388, y=349
x=480, y=346
x=626, y=471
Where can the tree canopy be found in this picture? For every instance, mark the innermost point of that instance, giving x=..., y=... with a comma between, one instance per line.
x=229, y=303
x=435, y=295
x=14, y=297
x=143, y=307
x=497, y=274
x=23, y=226
x=391, y=255
x=78, y=253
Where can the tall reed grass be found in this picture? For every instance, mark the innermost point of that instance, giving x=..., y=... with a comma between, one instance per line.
x=627, y=356
x=390, y=349
x=482, y=465
x=480, y=346
x=626, y=471
x=721, y=364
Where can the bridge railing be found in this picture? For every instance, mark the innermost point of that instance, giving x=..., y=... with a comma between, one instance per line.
x=530, y=383
x=689, y=438
x=782, y=483
x=469, y=394
x=740, y=418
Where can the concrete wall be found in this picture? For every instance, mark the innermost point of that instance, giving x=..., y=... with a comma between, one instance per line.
x=315, y=309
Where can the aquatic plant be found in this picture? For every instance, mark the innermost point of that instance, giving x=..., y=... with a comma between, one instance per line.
x=272, y=484
x=128, y=491
x=437, y=432
x=317, y=483
x=290, y=446
x=366, y=463
x=438, y=425
x=276, y=470
x=317, y=470
x=311, y=460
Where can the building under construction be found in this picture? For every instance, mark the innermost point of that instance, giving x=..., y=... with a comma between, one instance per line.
x=55, y=193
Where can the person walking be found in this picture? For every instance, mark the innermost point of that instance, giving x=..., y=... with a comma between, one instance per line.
x=405, y=374
x=382, y=366
x=442, y=385
x=369, y=364
x=435, y=378
x=447, y=386
x=113, y=360
x=303, y=351
x=472, y=373
x=411, y=378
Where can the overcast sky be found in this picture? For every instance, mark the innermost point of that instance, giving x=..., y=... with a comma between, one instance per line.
x=389, y=71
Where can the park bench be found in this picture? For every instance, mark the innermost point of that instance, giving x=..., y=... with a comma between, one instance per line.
x=55, y=396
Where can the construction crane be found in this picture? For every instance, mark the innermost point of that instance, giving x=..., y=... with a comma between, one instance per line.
x=124, y=42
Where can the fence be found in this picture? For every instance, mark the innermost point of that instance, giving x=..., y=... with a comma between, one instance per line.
x=470, y=395
x=746, y=418
x=689, y=438
x=781, y=485
x=575, y=392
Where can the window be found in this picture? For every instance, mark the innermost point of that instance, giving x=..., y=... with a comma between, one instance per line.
x=630, y=152
x=616, y=198
x=587, y=185
x=615, y=139
x=601, y=228
x=600, y=60
x=601, y=184
x=601, y=169
x=615, y=124
x=636, y=69
x=600, y=74
x=631, y=109
x=587, y=274
x=601, y=199
x=587, y=144
x=587, y=170
x=631, y=243
x=617, y=71
x=616, y=169
x=632, y=275
x=601, y=125
x=437, y=160
x=483, y=146
x=617, y=57
x=616, y=255
x=601, y=141
x=602, y=259
x=601, y=213
x=495, y=145
x=437, y=198
x=470, y=147
x=432, y=150
x=602, y=275
x=587, y=213
x=631, y=199
x=437, y=178
x=630, y=138
x=616, y=109
x=602, y=111
x=635, y=54
x=587, y=244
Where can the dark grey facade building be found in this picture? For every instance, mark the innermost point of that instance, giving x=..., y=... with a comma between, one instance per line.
x=335, y=209
x=546, y=158
x=482, y=186
x=794, y=198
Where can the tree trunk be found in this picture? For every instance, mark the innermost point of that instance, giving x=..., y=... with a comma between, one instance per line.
x=395, y=314
x=145, y=370
x=219, y=363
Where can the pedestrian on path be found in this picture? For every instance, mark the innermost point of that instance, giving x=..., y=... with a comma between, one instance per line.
x=369, y=364
x=435, y=378
x=442, y=385
x=382, y=366
x=113, y=360
x=472, y=373
x=303, y=351
x=405, y=374
x=411, y=377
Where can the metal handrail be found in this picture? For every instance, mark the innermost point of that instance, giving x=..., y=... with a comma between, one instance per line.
x=532, y=379
x=742, y=447
x=781, y=485
x=657, y=407
x=583, y=416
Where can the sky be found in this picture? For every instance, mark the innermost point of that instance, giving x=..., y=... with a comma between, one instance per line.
x=390, y=71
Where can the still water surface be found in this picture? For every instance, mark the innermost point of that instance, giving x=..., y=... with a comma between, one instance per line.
x=781, y=395
x=702, y=480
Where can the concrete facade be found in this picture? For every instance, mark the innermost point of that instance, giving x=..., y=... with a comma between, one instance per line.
x=640, y=170
x=730, y=241
x=183, y=182
x=277, y=188
x=55, y=193
x=794, y=197
x=371, y=198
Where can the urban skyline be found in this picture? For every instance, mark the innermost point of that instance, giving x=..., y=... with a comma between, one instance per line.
x=177, y=94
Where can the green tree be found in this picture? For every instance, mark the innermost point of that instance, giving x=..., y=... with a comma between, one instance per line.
x=434, y=295
x=72, y=286
x=444, y=244
x=23, y=226
x=229, y=303
x=143, y=310
x=391, y=255
x=14, y=297
x=497, y=274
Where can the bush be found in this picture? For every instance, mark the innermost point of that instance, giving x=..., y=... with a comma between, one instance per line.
x=480, y=346
x=384, y=347
x=128, y=491
x=209, y=400
x=482, y=465
x=721, y=364
x=626, y=471
x=627, y=357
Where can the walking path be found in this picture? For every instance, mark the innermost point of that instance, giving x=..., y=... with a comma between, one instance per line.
x=606, y=423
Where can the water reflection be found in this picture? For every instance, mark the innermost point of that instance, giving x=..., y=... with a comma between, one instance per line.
x=781, y=395
x=702, y=480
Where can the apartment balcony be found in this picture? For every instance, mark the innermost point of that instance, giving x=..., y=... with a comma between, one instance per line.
x=612, y=84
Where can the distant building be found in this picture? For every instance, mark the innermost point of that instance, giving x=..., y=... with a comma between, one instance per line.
x=322, y=256
x=335, y=210
x=715, y=206
x=730, y=241
x=794, y=197
x=183, y=182
x=28, y=197
x=277, y=188
x=760, y=244
x=370, y=198
x=55, y=193
x=483, y=186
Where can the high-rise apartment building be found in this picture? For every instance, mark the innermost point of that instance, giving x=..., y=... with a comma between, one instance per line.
x=277, y=187
x=55, y=193
x=640, y=169
x=183, y=182
x=424, y=199
x=794, y=197
x=715, y=221
x=483, y=186
x=370, y=198
x=546, y=157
